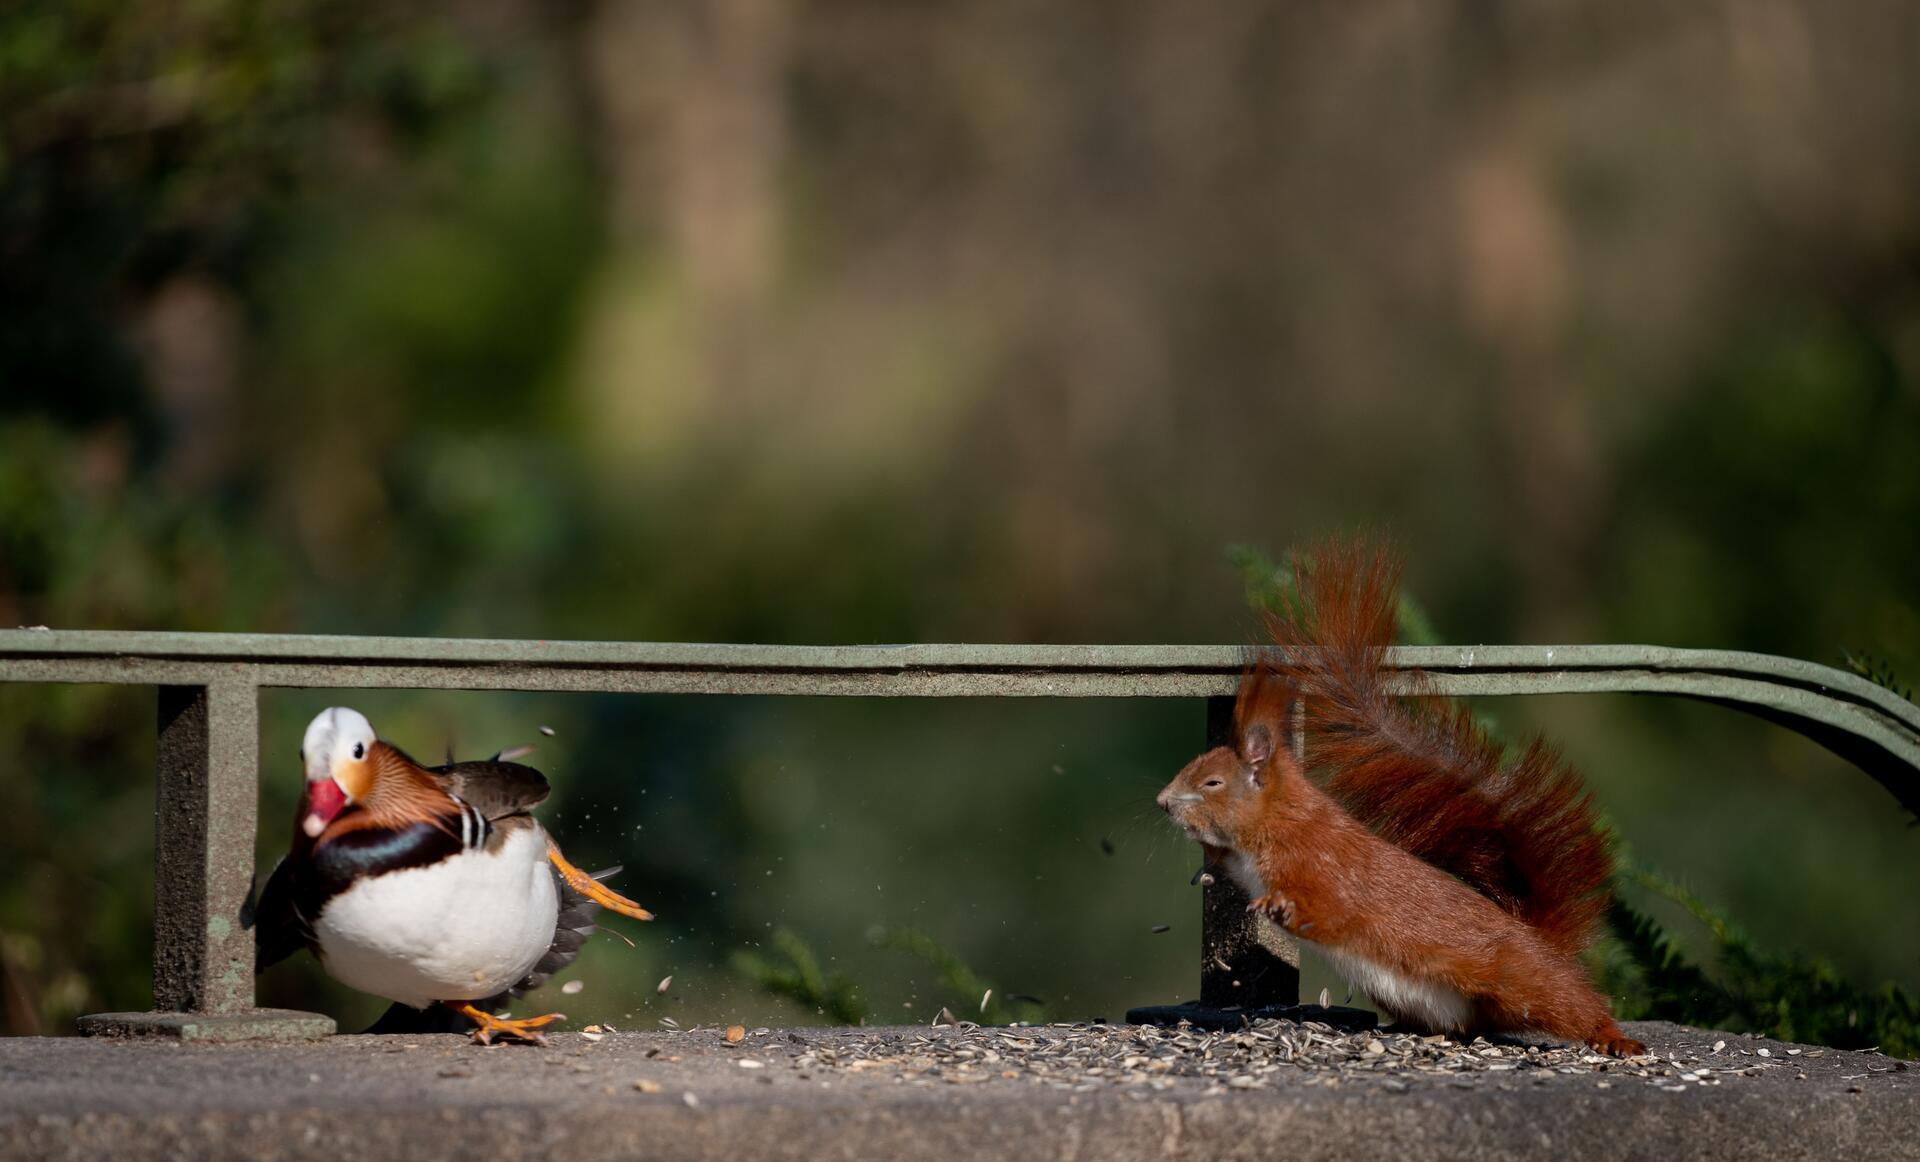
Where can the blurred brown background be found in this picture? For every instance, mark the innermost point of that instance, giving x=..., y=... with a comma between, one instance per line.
x=742, y=320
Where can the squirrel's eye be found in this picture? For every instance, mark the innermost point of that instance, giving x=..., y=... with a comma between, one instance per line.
x=1210, y=784
x=359, y=750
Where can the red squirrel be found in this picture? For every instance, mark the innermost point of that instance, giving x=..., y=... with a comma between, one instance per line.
x=1457, y=889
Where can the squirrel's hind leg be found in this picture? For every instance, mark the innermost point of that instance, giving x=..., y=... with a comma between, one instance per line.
x=1614, y=1042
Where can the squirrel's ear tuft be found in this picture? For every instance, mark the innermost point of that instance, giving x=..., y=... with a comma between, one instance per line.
x=1256, y=747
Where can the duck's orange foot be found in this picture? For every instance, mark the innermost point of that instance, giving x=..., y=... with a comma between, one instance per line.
x=593, y=889
x=486, y=1026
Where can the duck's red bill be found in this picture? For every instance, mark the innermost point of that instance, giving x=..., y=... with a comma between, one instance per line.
x=325, y=799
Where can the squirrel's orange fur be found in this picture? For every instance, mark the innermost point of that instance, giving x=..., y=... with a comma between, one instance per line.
x=1461, y=890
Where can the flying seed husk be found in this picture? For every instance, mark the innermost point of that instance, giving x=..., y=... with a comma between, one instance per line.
x=512, y=753
x=547, y=730
x=573, y=986
x=1157, y=929
x=984, y=998
x=666, y=982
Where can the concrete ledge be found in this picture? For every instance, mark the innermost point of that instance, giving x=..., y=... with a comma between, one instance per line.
x=691, y=1095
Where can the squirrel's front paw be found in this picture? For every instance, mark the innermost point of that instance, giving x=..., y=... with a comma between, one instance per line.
x=1276, y=905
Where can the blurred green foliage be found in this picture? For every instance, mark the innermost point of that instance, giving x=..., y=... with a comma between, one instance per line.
x=1788, y=997
x=965, y=994
x=1878, y=672
x=796, y=977
x=813, y=323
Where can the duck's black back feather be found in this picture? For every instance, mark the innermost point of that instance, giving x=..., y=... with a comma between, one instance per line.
x=371, y=851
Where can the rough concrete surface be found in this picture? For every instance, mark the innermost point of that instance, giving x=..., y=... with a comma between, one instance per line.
x=952, y=1093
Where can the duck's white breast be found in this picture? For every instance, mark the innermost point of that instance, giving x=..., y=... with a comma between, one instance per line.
x=465, y=928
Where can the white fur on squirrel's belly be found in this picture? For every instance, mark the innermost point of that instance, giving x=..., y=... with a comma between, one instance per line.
x=1241, y=870
x=1435, y=1005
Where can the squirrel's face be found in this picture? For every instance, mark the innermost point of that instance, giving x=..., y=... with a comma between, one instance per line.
x=1216, y=798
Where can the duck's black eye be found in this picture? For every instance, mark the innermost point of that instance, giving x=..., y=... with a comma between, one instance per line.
x=359, y=750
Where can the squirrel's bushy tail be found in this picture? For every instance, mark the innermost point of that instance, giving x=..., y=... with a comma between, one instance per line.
x=1419, y=771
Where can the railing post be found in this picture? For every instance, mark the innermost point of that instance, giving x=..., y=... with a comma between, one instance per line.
x=204, y=824
x=1246, y=961
x=206, y=811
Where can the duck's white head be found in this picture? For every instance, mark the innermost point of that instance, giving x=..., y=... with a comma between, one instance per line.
x=336, y=755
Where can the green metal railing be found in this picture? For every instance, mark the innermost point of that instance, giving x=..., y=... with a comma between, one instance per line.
x=208, y=746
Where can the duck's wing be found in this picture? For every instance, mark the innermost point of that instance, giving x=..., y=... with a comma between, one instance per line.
x=278, y=929
x=497, y=789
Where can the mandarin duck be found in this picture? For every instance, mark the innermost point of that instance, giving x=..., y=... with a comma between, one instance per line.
x=430, y=886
